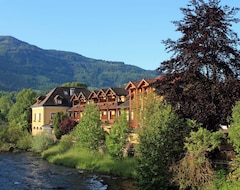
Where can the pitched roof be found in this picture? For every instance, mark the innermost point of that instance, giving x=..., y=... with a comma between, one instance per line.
x=59, y=93
x=118, y=91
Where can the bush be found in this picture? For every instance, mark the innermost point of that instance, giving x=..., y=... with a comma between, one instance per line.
x=41, y=142
x=65, y=143
x=25, y=142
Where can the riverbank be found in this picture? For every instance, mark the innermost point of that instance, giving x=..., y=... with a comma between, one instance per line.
x=119, y=175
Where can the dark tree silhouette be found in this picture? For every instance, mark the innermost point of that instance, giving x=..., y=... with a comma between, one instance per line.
x=67, y=125
x=201, y=78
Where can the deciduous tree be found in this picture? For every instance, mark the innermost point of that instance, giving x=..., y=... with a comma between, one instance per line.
x=21, y=110
x=117, y=138
x=195, y=170
x=161, y=144
x=201, y=78
x=67, y=125
x=89, y=133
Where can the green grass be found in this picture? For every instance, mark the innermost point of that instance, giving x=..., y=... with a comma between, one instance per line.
x=83, y=159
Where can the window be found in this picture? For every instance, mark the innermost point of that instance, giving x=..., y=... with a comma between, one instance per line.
x=65, y=92
x=52, y=115
x=59, y=101
x=37, y=117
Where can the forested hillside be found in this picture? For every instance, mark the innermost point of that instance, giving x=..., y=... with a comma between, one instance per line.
x=26, y=66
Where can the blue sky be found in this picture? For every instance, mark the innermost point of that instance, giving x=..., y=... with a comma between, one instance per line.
x=130, y=31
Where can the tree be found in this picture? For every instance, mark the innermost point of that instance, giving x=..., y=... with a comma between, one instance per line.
x=75, y=84
x=67, y=125
x=21, y=110
x=201, y=78
x=117, y=138
x=195, y=171
x=57, y=119
x=161, y=144
x=5, y=106
x=89, y=133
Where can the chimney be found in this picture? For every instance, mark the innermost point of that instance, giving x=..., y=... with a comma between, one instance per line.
x=72, y=91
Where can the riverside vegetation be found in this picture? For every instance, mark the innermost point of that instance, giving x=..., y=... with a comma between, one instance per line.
x=179, y=135
x=161, y=159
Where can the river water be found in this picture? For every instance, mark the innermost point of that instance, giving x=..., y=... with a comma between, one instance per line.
x=26, y=171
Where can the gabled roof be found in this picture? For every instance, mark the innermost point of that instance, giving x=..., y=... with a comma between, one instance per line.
x=59, y=93
x=83, y=95
x=101, y=91
x=131, y=84
x=117, y=91
x=146, y=82
x=93, y=94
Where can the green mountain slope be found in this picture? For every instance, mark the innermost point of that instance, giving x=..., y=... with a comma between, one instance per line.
x=26, y=66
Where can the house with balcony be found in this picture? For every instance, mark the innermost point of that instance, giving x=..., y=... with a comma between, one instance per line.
x=110, y=102
x=136, y=90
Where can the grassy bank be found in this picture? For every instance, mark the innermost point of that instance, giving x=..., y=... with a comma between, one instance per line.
x=82, y=159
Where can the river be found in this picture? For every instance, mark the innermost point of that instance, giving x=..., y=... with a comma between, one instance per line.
x=27, y=171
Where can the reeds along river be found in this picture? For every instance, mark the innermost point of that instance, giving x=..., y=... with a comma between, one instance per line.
x=26, y=171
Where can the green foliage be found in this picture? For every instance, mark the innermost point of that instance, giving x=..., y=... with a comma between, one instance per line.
x=161, y=144
x=41, y=142
x=89, y=160
x=21, y=110
x=89, y=133
x=65, y=143
x=57, y=119
x=117, y=138
x=194, y=171
x=202, y=77
x=234, y=130
x=75, y=84
x=15, y=135
x=5, y=105
x=25, y=142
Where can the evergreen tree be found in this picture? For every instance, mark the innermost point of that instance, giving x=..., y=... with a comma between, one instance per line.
x=201, y=79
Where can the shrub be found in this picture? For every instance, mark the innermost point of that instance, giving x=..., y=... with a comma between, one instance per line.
x=65, y=143
x=25, y=142
x=41, y=142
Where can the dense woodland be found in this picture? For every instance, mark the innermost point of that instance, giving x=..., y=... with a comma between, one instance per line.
x=26, y=66
x=180, y=136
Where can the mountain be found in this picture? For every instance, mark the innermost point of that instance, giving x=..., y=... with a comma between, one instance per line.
x=23, y=65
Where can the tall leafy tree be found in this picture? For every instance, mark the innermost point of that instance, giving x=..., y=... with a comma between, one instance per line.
x=201, y=78
x=89, y=133
x=117, y=138
x=161, y=144
x=21, y=110
x=5, y=106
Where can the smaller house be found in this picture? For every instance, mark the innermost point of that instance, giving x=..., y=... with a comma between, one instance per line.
x=45, y=107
